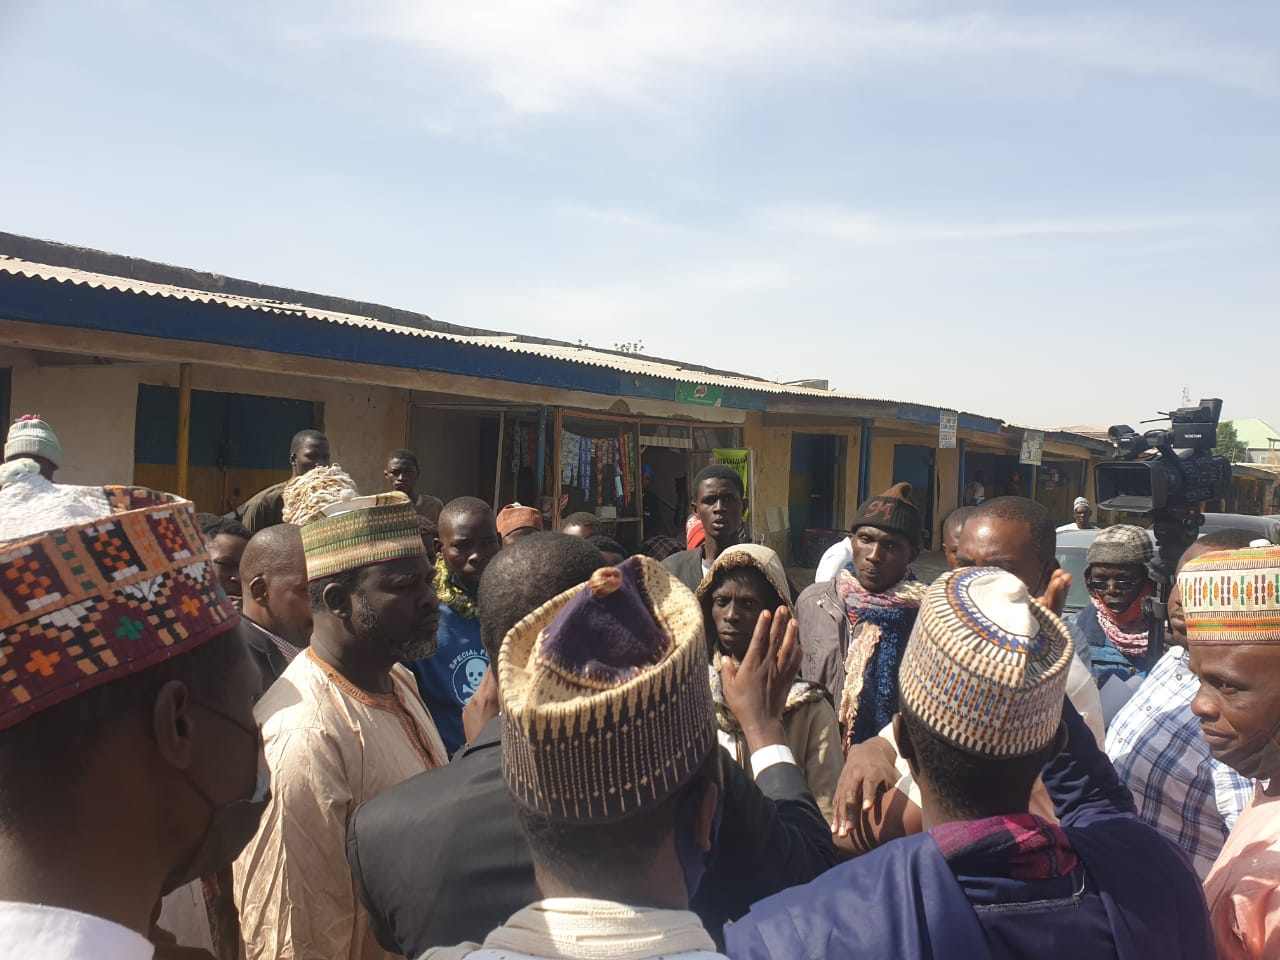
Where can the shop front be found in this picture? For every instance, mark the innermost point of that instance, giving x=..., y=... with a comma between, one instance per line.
x=633, y=473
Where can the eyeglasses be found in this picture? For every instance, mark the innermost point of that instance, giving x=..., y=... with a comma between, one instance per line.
x=1119, y=584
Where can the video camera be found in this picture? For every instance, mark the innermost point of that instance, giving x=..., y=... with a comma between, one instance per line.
x=1184, y=472
x=1169, y=487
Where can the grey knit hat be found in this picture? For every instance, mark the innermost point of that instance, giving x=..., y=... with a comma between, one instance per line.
x=1121, y=545
x=30, y=436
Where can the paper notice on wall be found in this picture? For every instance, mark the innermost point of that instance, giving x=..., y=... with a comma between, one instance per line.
x=947, y=421
x=1032, y=446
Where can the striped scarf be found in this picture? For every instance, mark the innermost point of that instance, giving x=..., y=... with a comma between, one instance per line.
x=887, y=617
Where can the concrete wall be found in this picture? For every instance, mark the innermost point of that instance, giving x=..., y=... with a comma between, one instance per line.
x=93, y=409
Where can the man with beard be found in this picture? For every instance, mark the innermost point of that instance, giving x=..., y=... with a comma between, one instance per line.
x=1231, y=603
x=342, y=724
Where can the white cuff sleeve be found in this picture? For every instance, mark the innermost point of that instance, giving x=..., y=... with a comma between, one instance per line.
x=766, y=757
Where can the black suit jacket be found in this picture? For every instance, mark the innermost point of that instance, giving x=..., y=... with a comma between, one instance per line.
x=266, y=655
x=686, y=566
x=439, y=859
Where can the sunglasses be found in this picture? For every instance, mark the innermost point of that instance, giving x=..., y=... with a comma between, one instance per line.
x=1119, y=584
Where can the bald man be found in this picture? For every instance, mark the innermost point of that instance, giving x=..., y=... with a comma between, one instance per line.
x=273, y=576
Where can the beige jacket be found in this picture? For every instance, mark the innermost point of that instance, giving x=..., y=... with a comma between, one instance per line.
x=814, y=738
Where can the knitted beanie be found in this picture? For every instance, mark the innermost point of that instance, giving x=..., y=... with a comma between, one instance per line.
x=986, y=665
x=30, y=436
x=606, y=709
x=1123, y=545
x=893, y=511
x=1232, y=597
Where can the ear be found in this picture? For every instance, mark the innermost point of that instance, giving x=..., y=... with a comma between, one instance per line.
x=704, y=825
x=906, y=749
x=438, y=545
x=337, y=600
x=258, y=589
x=172, y=723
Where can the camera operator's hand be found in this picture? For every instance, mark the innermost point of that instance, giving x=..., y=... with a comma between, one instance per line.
x=1055, y=594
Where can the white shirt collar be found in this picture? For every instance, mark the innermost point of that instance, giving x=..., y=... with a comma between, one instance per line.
x=38, y=932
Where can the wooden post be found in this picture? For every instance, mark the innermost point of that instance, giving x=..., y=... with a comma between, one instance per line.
x=184, y=426
x=497, y=469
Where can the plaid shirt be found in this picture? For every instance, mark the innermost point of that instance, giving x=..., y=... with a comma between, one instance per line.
x=1155, y=744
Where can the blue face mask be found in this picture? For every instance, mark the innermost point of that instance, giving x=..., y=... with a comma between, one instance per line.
x=693, y=862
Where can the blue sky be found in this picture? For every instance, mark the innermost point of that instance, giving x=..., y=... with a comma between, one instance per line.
x=1052, y=213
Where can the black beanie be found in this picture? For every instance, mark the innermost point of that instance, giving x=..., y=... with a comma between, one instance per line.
x=893, y=511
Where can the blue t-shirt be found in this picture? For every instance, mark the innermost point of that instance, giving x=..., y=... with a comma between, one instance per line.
x=448, y=680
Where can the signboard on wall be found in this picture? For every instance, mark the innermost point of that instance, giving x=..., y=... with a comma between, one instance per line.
x=947, y=420
x=699, y=393
x=1032, y=446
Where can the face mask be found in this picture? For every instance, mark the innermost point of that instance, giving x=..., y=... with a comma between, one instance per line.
x=232, y=825
x=693, y=862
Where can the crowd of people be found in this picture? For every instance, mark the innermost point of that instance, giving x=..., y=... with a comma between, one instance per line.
x=372, y=724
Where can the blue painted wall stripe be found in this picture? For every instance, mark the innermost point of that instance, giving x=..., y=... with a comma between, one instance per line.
x=170, y=318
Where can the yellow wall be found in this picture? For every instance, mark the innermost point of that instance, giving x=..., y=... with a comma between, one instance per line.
x=771, y=451
x=772, y=447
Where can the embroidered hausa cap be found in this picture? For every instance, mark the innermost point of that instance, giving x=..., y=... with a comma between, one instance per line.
x=1122, y=545
x=361, y=531
x=1232, y=596
x=755, y=557
x=516, y=515
x=986, y=665
x=893, y=511
x=30, y=436
x=87, y=603
x=606, y=709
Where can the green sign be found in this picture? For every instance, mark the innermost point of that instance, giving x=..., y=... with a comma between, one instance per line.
x=699, y=393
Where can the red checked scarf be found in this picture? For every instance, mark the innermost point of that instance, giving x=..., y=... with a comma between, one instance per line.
x=1020, y=846
x=1130, y=644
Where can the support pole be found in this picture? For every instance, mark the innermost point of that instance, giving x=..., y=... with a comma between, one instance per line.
x=184, y=426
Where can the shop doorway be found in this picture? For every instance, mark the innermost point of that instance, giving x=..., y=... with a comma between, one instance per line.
x=915, y=465
x=816, y=483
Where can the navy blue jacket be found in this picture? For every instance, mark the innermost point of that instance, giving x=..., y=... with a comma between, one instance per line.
x=1140, y=897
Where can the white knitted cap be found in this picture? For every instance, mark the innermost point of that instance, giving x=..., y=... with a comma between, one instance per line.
x=32, y=437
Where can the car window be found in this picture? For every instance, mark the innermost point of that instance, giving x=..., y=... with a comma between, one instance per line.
x=1071, y=559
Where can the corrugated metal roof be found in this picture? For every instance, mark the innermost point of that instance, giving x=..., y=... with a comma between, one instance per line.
x=623, y=363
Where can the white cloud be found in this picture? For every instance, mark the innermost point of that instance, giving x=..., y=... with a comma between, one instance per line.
x=550, y=56
x=853, y=226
